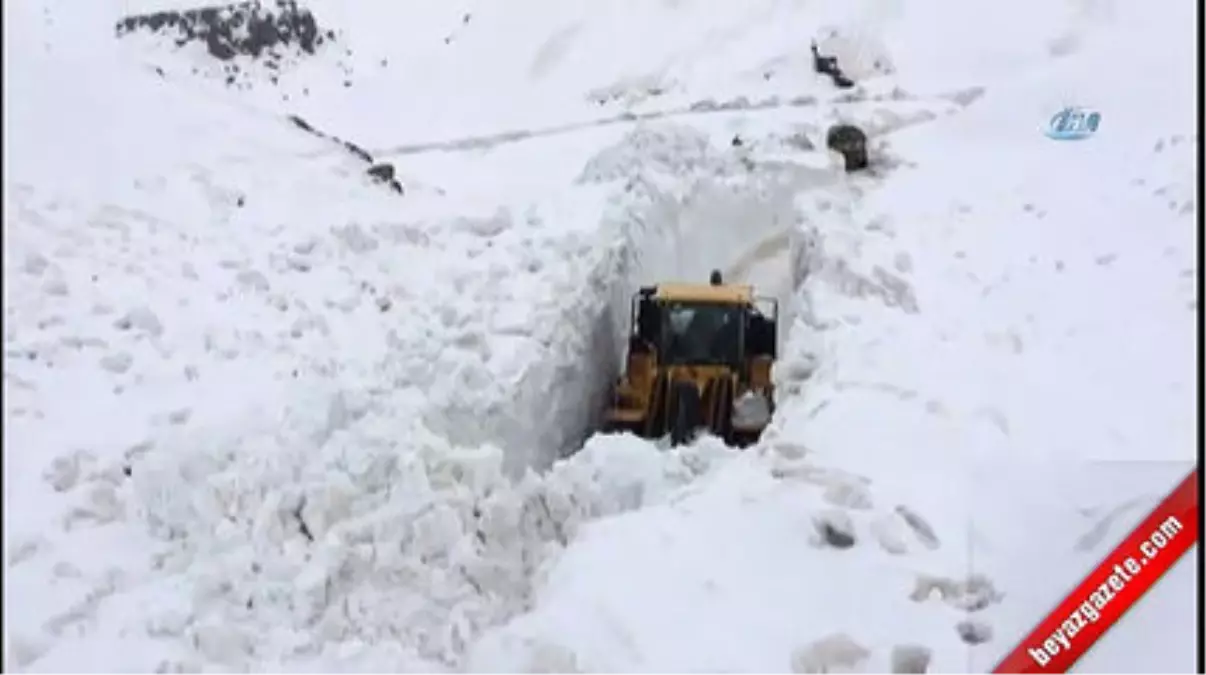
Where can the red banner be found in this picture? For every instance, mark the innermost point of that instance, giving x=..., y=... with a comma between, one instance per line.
x=1112, y=588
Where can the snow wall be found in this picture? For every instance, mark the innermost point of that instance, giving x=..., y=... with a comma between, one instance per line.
x=680, y=206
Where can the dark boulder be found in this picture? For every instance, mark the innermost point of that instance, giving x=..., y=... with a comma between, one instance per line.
x=851, y=142
x=828, y=65
x=384, y=173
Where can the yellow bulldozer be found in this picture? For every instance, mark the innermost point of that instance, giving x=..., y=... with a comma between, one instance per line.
x=699, y=359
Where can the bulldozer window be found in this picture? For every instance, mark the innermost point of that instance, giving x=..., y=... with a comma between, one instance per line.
x=648, y=321
x=702, y=334
x=760, y=336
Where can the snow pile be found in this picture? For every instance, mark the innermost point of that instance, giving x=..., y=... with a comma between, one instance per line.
x=742, y=571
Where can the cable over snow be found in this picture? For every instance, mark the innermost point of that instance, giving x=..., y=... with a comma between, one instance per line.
x=264, y=413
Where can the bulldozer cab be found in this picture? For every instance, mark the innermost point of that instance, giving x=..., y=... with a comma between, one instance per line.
x=696, y=333
x=688, y=326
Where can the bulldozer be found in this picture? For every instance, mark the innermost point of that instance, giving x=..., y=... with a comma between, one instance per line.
x=699, y=359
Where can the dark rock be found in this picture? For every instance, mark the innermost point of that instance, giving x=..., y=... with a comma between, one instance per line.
x=303, y=125
x=358, y=151
x=828, y=65
x=219, y=46
x=851, y=142
x=244, y=28
x=384, y=173
x=835, y=537
x=381, y=172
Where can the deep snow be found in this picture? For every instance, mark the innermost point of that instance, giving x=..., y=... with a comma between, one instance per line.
x=263, y=414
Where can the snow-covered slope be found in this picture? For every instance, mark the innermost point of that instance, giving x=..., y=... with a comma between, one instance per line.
x=262, y=413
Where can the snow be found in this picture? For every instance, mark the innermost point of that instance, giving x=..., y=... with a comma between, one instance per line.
x=263, y=414
x=727, y=576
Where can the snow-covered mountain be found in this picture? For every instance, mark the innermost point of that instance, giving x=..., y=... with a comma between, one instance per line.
x=264, y=412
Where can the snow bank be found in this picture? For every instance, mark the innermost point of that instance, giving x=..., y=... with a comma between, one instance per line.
x=1013, y=321
x=744, y=570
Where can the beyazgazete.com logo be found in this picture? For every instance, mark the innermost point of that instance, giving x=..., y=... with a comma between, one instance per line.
x=1073, y=124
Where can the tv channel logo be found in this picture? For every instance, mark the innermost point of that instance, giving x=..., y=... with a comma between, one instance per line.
x=1073, y=124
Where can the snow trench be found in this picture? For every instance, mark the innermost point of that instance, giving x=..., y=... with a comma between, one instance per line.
x=672, y=205
x=679, y=207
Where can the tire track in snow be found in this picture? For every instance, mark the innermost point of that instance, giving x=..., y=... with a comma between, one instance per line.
x=958, y=99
